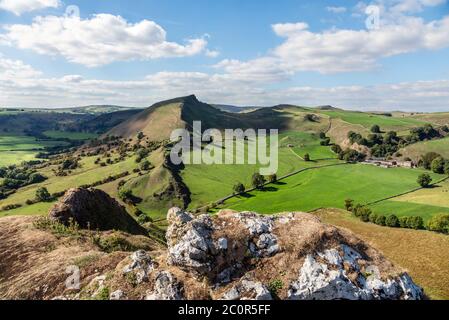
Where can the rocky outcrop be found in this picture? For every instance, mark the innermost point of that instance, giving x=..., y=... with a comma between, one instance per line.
x=94, y=209
x=228, y=256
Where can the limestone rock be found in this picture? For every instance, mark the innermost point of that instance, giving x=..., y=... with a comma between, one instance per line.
x=94, y=209
x=248, y=290
x=141, y=265
x=166, y=287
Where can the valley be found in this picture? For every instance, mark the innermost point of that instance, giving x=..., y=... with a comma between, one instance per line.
x=321, y=152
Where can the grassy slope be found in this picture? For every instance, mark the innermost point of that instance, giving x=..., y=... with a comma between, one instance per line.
x=415, y=151
x=425, y=255
x=329, y=187
x=88, y=173
x=69, y=135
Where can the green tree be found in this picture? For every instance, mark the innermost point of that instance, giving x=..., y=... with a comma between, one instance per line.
x=238, y=188
x=415, y=223
x=257, y=180
x=392, y=221
x=437, y=165
x=42, y=194
x=140, y=136
x=424, y=180
x=272, y=178
x=380, y=220
x=349, y=204
x=375, y=129
x=373, y=217
x=307, y=157
x=426, y=159
x=403, y=222
x=439, y=223
x=322, y=135
x=146, y=165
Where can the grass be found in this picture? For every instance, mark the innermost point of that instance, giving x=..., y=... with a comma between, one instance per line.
x=16, y=149
x=424, y=254
x=367, y=120
x=88, y=173
x=400, y=208
x=69, y=135
x=328, y=187
x=209, y=183
x=415, y=150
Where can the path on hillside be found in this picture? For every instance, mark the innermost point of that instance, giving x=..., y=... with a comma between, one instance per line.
x=291, y=149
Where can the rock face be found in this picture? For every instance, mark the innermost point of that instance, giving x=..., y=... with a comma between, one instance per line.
x=95, y=209
x=308, y=260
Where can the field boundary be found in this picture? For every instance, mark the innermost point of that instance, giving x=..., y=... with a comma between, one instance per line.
x=220, y=201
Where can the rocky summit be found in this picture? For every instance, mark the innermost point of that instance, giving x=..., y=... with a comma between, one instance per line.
x=239, y=256
x=95, y=209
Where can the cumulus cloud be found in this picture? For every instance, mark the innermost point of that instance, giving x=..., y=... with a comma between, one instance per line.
x=21, y=85
x=20, y=6
x=99, y=40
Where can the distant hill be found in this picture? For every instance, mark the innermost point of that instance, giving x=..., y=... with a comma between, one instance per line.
x=91, y=109
x=104, y=122
x=234, y=109
x=158, y=121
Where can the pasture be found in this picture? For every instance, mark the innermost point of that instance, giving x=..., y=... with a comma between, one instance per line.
x=328, y=188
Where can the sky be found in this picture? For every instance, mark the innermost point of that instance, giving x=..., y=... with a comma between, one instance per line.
x=382, y=55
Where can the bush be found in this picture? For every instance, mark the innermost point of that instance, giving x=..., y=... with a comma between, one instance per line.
x=415, y=223
x=437, y=165
x=257, y=180
x=307, y=157
x=375, y=129
x=373, y=217
x=403, y=222
x=392, y=221
x=43, y=195
x=238, y=188
x=381, y=220
x=424, y=180
x=143, y=218
x=275, y=286
x=272, y=178
x=349, y=204
x=439, y=223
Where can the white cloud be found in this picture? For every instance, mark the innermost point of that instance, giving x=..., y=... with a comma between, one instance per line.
x=20, y=6
x=97, y=41
x=336, y=10
x=23, y=86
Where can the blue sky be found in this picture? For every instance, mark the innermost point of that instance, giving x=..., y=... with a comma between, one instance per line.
x=228, y=51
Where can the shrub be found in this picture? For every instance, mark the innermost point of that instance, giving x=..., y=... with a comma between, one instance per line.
x=403, y=222
x=238, y=188
x=113, y=243
x=375, y=129
x=257, y=180
x=424, y=180
x=275, y=286
x=143, y=218
x=439, y=223
x=415, y=223
x=272, y=178
x=43, y=195
x=349, y=204
x=392, y=221
x=56, y=228
x=380, y=220
x=373, y=217
x=307, y=157
x=437, y=165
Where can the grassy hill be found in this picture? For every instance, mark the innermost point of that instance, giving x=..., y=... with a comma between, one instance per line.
x=415, y=150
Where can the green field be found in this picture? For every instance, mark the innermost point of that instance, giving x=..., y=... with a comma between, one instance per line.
x=69, y=135
x=15, y=149
x=329, y=187
x=367, y=120
x=208, y=183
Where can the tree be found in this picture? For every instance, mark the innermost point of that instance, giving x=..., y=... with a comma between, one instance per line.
x=392, y=221
x=307, y=157
x=424, y=180
x=439, y=223
x=43, y=195
x=403, y=222
x=375, y=129
x=426, y=159
x=322, y=135
x=325, y=142
x=380, y=220
x=336, y=149
x=349, y=204
x=257, y=181
x=437, y=165
x=272, y=178
x=415, y=223
x=140, y=136
x=238, y=188
x=146, y=165
x=36, y=178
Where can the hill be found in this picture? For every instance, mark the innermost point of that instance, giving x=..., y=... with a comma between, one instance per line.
x=255, y=257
